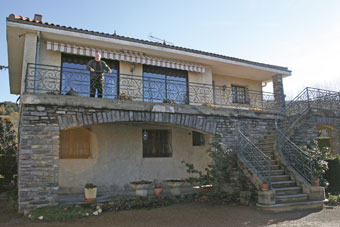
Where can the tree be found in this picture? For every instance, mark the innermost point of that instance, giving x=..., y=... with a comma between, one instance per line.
x=8, y=151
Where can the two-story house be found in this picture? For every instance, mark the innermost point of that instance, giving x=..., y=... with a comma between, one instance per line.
x=160, y=105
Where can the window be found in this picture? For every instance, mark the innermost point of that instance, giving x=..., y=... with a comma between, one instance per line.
x=239, y=94
x=74, y=75
x=161, y=84
x=75, y=143
x=156, y=143
x=197, y=139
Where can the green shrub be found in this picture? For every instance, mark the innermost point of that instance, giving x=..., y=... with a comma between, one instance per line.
x=12, y=200
x=333, y=200
x=319, y=165
x=223, y=163
x=8, y=150
x=333, y=176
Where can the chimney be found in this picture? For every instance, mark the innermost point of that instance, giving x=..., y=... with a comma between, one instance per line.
x=37, y=17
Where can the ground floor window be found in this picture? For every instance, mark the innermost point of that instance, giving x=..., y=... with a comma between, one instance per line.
x=197, y=139
x=156, y=143
x=75, y=143
x=239, y=94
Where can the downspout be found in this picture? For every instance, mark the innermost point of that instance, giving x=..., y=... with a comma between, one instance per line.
x=37, y=48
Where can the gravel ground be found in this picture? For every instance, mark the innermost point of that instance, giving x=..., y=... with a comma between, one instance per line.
x=192, y=214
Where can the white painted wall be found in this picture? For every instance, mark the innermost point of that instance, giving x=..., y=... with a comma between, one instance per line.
x=118, y=159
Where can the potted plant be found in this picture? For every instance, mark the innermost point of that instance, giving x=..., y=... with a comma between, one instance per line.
x=264, y=186
x=90, y=191
x=141, y=187
x=174, y=186
x=158, y=190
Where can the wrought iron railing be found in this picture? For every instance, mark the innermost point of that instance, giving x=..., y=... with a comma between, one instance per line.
x=57, y=80
x=254, y=158
x=290, y=115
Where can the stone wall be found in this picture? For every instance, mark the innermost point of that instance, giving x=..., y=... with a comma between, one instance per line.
x=41, y=122
x=306, y=129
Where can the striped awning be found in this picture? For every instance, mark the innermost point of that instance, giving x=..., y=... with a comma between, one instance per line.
x=125, y=55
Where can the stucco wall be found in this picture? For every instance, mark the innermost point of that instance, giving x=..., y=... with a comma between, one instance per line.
x=221, y=80
x=118, y=159
x=48, y=57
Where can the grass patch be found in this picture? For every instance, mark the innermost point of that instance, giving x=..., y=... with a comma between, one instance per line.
x=60, y=213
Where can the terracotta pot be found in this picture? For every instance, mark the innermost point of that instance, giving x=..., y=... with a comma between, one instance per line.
x=158, y=191
x=316, y=182
x=264, y=187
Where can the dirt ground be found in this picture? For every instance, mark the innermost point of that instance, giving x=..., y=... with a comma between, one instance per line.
x=192, y=214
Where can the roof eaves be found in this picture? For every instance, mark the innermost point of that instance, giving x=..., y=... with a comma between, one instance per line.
x=26, y=20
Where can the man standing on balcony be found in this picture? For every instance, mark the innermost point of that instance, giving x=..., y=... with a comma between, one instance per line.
x=97, y=67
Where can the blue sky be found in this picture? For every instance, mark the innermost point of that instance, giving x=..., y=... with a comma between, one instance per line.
x=302, y=35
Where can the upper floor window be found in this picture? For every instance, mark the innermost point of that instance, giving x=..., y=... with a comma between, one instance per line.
x=239, y=94
x=165, y=85
x=74, y=75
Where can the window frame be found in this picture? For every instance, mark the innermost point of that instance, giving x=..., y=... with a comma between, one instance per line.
x=152, y=138
x=198, y=139
x=240, y=94
x=167, y=73
x=78, y=137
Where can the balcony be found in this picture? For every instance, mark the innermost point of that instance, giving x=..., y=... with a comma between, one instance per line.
x=54, y=80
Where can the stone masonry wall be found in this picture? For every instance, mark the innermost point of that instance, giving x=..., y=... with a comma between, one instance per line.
x=41, y=125
x=306, y=130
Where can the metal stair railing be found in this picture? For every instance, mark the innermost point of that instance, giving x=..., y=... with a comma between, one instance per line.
x=254, y=158
x=284, y=121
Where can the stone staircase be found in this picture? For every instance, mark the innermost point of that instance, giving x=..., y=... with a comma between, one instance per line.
x=288, y=194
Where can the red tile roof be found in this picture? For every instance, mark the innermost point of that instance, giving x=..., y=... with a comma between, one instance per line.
x=26, y=20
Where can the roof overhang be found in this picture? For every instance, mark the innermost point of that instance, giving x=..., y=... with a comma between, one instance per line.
x=229, y=67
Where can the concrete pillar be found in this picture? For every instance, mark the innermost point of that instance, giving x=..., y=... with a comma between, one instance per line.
x=278, y=91
x=28, y=57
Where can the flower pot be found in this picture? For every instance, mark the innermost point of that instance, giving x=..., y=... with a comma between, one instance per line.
x=90, y=194
x=174, y=186
x=316, y=182
x=158, y=191
x=264, y=187
x=141, y=187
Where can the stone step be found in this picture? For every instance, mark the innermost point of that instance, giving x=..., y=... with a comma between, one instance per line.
x=288, y=190
x=277, y=172
x=283, y=184
x=280, y=178
x=291, y=198
x=275, y=167
x=293, y=206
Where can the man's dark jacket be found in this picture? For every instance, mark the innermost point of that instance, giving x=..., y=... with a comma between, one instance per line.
x=97, y=72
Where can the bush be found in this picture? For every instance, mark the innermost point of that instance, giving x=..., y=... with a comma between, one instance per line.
x=333, y=200
x=223, y=163
x=8, y=151
x=320, y=166
x=333, y=176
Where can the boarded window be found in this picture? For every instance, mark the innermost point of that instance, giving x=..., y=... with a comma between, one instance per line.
x=157, y=143
x=197, y=139
x=75, y=143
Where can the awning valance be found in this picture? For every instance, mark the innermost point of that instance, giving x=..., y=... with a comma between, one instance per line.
x=125, y=55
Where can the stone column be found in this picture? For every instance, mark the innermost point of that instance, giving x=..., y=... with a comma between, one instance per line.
x=278, y=91
x=38, y=166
